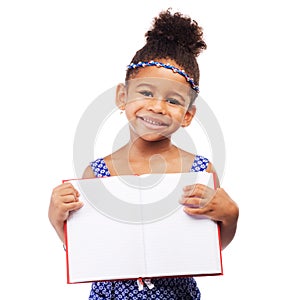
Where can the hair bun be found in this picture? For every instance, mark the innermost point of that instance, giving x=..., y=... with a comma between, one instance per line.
x=179, y=30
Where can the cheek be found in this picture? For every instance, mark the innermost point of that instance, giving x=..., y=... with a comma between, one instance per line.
x=179, y=114
x=131, y=109
x=128, y=112
x=135, y=104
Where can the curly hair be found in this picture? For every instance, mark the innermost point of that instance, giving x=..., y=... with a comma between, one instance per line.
x=175, y=37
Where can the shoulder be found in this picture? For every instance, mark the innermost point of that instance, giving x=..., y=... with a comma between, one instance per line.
x=210, y=169
x=200, y=163
x=88, y=172
x=195, y=162
x=93, y=168
x=97, y=168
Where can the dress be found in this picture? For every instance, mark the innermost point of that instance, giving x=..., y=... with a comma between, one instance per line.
x=178, y=288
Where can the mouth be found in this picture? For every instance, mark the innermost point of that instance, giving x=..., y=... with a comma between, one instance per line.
x=152, y=122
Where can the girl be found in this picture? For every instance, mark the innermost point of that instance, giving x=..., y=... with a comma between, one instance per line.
x=161, y=86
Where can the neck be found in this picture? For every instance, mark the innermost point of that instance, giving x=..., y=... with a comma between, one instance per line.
x=138, y=147
x=142, y=157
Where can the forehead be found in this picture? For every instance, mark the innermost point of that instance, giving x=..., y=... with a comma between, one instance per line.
x=159, y=85
x=160, y=79
x=163, y=73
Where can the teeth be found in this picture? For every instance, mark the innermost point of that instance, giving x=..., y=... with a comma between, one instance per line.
x=152, y=122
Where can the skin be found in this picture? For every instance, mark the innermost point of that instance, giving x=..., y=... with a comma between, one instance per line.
x=154, y=114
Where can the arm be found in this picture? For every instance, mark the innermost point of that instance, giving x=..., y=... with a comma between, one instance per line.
x=64, y=199
x=226, y=215
x=215, y=204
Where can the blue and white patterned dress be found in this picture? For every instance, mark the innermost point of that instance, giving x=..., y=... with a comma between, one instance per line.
x=178, y=288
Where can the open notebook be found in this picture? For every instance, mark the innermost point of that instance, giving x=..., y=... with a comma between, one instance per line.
x=133, y=226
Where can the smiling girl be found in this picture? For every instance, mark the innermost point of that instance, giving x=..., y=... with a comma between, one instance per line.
x=158, y=98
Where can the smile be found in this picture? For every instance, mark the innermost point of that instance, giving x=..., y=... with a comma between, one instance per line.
x=153, y=122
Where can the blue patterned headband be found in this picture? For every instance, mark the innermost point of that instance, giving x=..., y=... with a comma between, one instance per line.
x=167, y=66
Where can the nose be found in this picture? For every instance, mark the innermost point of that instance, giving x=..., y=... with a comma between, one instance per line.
x=157, y=105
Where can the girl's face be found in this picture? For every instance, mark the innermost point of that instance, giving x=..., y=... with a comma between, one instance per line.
x=156, y=102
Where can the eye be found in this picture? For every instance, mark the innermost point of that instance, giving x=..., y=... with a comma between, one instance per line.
x=146, y=93
x=173, y=101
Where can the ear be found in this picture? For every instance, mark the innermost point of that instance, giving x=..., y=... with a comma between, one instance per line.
x=121, y=96
x=189, y=115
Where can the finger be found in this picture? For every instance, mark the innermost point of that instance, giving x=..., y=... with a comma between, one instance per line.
x=193, y=186
x=191, y=202
x=194, y=202
x=68, y=191
x=204, y=211
x=63, y=189
x=193, y=190
x=69, y=199
x=63, y=186
x=77, y=193
x=73, y=206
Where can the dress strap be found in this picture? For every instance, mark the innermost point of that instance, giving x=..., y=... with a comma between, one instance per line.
x=200, y=164
x=99, y=168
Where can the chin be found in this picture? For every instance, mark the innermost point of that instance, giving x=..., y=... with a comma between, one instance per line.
x=153, y=137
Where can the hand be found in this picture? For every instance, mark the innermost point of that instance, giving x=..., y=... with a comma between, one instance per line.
x=64, y=199
x=200, y=200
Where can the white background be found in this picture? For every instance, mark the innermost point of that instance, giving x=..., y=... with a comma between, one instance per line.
x=58, y=56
